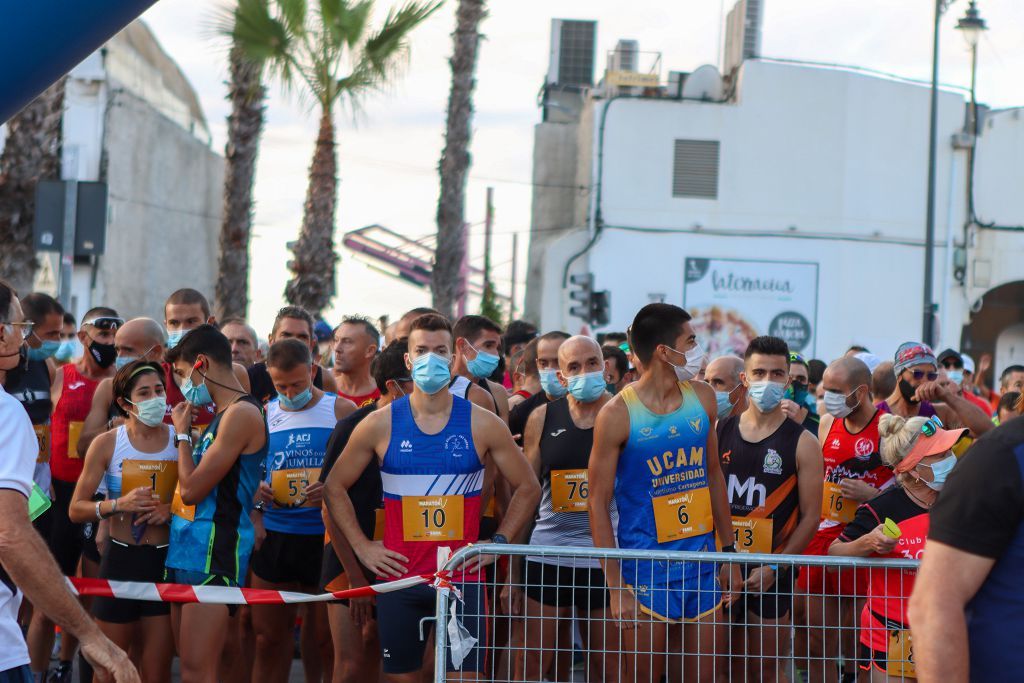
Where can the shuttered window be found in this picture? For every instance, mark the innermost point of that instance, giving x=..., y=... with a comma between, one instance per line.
x=695, y=169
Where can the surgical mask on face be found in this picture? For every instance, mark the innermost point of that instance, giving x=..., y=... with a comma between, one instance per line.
x=725, y=406
x=196, y=395
x=837, y=406
x=766, y=395
x=694, y=359
x=151, y=411
x=955, y=376
x=587, y=387
x=297, y=402
x=940, y=470
x=68, y=349
x=431, y=372
x=47, y=349
x=123, y=361
x=483, y=365
x=550, y=384
x=174, y=337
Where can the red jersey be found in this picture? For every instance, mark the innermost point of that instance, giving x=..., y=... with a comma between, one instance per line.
x=174, y=397
x=850, y=456
x=66, y=423
x=363, y=399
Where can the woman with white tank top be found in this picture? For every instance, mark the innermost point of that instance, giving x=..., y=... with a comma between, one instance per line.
x=138, y=462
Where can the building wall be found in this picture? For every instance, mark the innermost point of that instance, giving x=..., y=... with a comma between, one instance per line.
x=165, y=205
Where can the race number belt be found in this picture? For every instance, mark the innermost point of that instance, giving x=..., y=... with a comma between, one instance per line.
x=289, y=486
x=834, y=506
x=569, y=490
x=683, y=515
x=160, y=476
x=433, y=518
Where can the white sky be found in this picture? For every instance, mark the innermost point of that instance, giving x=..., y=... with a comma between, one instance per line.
x=387, y=156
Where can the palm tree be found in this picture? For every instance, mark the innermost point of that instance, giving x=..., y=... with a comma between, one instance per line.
x=332, y=56
x=455, y=159
x=245, y=123
x=32, y=152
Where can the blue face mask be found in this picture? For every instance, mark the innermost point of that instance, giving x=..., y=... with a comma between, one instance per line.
x=955, y=376
x=46, y=350
x=940, y=470
x=174, y=337
x=431, y=372
x=196, y=395
x=298, y=402
x=550, y=384
x=122, y=361
x=483, y=365
x=725, y=406
x=766, y=395
x=68, y=349
x=587, y=387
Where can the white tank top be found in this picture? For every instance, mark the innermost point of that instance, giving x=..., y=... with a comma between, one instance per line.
x=459, y=386
x=155, y=473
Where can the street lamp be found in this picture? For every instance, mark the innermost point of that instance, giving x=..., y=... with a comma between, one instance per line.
x=972, y=26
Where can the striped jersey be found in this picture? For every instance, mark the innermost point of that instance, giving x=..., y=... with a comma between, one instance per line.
x=298, y=441
x=432, y=485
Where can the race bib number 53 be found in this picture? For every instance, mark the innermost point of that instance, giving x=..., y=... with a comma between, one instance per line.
x=682, y=515
x=289, y=486
x=432, y=518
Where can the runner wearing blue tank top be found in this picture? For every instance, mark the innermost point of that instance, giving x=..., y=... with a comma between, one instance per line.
x=656, y=455
x=211, y=532
x=288, y=522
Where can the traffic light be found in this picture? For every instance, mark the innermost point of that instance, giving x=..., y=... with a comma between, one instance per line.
x=593, y=307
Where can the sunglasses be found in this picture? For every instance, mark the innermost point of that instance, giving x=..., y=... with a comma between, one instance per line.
x=953, y=365
x=105, y=323
x=921, y=374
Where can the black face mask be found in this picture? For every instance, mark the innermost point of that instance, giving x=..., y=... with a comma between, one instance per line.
x=907, y=391
x=103, y=354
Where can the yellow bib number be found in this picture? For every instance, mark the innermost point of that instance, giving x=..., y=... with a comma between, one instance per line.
x=432, y=518
x=900, y=656
x=752, y=535
x=74, y=431
x=682, y=515
x=179, y=508
x=43, y=437
x=289, y=486
x=569, y=490
x=161, y=476
x=834, y=506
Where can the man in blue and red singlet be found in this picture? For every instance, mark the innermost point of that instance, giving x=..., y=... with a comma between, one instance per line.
x=437, y=452
x=655, y=451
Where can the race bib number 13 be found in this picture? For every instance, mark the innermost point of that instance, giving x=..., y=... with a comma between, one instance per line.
x=682, y=515
x=433, y=518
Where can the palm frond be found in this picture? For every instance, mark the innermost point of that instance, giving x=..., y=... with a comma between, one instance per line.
x=263, y=38
x=293, y=15
x=389, y=43
x=345, y=23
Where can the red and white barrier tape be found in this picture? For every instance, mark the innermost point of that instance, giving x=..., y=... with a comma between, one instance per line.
x=223, y=595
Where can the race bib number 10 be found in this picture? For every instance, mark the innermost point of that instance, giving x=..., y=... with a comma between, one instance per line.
x=682, y=515
x=569, y=490
x=433, y=518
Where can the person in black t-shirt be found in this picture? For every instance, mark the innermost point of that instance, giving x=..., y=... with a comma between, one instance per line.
x=292, y=322
x=353, y=627
x=967, y=609
x=551, y=388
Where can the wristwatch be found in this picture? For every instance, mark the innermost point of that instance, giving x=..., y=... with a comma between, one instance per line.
x=178, y=438
x=731, y=548
x=499, y=539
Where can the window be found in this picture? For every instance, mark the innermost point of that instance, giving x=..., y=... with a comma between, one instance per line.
x=695, y=169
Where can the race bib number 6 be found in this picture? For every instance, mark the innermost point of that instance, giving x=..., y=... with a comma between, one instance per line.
x=569, y=490
x=834, y=506
x=433, y=518
x=682, y=515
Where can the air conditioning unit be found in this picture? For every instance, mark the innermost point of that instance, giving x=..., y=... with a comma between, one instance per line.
x=573, y=45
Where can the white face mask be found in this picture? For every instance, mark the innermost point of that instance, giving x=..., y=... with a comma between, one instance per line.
x=836, y=404
x=694, y=359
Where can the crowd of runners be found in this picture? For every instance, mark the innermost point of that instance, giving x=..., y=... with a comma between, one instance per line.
x=192, y=451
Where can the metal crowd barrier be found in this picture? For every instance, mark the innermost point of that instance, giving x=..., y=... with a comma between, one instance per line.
x=793, y=632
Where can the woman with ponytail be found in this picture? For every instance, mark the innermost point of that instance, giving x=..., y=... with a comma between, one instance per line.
x=895, y=524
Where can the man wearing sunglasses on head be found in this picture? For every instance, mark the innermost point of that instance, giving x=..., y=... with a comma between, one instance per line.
x=72, y=394
x=921, y=392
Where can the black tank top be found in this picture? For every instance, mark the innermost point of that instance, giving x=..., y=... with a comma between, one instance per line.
x=761, y=477
x=563, y=445
x=31, y=386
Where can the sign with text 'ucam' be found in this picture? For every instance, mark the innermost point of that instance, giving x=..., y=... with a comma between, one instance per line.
x=732, y=301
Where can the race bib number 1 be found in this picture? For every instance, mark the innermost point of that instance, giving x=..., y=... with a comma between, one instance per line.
x=569, y=490
x=682, y=515
x=433, y=518
x=161, y=476
x=834, y=506
x=289, y=486
x=899, y=659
